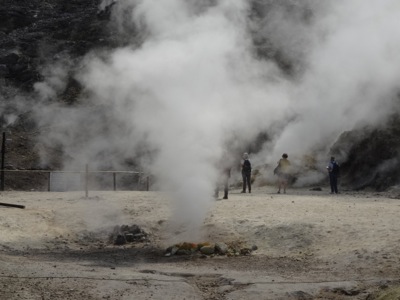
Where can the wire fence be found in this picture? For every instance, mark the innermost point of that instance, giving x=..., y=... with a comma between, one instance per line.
x=62, y=181
x=58, y=180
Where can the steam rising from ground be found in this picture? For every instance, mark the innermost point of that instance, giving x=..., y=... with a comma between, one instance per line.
x=195, y=84
x=185, y=91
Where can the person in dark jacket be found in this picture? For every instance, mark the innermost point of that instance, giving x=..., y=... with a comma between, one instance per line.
x=246, y=173
x=333, y=171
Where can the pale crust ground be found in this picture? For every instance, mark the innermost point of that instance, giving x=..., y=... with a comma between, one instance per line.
x=309, y=244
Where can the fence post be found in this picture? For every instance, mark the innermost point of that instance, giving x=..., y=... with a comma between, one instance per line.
x=3, y=154
x=49, y=181
x=115, y=181
x=147, y=183
x=87, y=181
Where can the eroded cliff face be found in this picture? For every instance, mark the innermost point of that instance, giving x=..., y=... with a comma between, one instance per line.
x=36, y=36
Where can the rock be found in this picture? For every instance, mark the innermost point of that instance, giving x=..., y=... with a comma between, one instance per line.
x=40, y=30
x=245, y=251
x=174, y=250
x=9, y=59
x=346, y=291
x=300, y=295
x=183, y=252
x=208, y=250
x=127, y=234
x=3, y=70
x=129, y=237
x=221, y=248
x=14, y=18
x=120, y=240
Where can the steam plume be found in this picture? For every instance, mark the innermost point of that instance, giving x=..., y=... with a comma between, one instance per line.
x=189, y=81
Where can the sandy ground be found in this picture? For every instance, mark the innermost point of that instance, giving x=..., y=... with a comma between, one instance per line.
x=310, y=245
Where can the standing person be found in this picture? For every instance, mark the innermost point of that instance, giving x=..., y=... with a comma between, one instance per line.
x=224, y=169
x=333, y=170
x=246, y=173
x=225, y=175
x=283, y=172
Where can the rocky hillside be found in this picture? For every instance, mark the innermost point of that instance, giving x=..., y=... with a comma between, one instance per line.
x=34, y=33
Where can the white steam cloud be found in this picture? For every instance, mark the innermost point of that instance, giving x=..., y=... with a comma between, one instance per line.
x=187, y=88
x=194, y=84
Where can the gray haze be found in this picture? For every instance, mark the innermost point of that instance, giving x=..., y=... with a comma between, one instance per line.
x=195, y=84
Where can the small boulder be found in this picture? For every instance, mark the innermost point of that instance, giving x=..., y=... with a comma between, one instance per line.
x=221, y=248
x=120, y=240
x=207, y=250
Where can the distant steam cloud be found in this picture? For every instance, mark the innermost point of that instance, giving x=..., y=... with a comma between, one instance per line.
x=346, y=51
x=189, y=80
